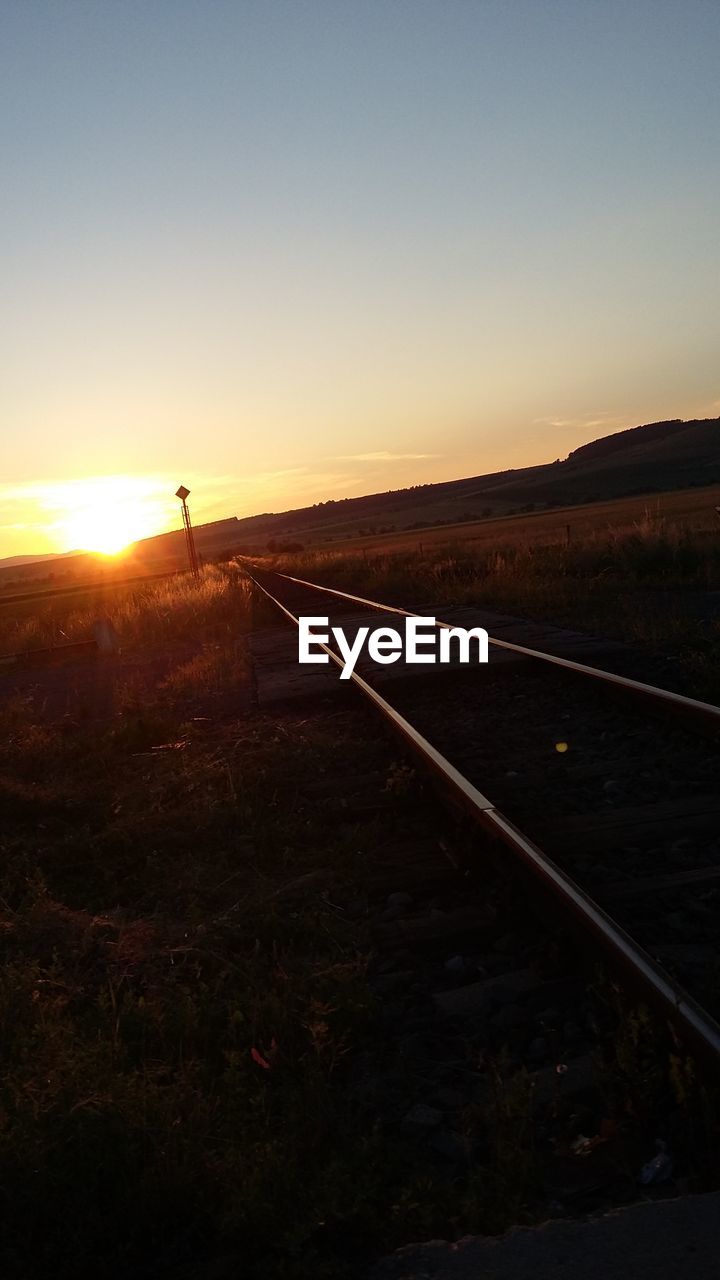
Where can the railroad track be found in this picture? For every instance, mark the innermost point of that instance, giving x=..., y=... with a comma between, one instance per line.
x=609, y=812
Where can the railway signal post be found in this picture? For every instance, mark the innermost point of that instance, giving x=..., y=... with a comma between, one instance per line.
x=183, y=494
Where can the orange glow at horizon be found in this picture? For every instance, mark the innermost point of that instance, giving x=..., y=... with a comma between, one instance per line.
x=101, y=529
x=107, y=514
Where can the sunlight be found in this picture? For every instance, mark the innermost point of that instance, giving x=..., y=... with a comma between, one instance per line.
x=101, y=529
x=108, y=513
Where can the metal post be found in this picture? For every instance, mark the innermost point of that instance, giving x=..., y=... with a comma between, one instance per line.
x=183, y=494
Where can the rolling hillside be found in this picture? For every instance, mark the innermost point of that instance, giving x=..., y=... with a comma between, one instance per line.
x=657, y=457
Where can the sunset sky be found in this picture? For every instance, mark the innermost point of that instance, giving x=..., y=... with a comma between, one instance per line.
x=286, y=250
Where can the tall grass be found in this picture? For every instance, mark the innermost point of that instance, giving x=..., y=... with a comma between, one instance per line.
x=641, y=582
x=645, y=556
x=165, y=611
x=183, y=1008
x=651, y=551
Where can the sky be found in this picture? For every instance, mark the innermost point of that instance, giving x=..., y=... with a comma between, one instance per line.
x=287, y=250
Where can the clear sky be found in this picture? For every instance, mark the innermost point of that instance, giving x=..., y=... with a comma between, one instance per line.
x=285, y=250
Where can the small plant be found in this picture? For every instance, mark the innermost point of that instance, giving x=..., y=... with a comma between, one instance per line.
x=400, y=779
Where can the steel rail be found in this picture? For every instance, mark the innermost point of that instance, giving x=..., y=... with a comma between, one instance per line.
x=705, y=712
x=677, y=1005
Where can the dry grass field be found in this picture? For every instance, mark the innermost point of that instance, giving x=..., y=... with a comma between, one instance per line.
x=642, y=570
x=184, y=1006
x=693, y=508
x=165, y=610
x=185, y=1010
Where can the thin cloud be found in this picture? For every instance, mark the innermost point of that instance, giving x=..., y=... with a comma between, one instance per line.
x=54, y=492
x=384, y=456
x=263, y=477
x=585, y=423
x=276, y=491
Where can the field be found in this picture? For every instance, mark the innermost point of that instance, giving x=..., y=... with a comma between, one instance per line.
x=193, y=1051
x=694, y=509
x=645, y=571
x=143, y=613
x=188, y=1028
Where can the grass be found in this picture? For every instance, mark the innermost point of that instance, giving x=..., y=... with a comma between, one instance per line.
x=695, y=508
x=636, y=581
x=184, y=1002
x=160, y=612
x=174, y=1012
x=185, y=1015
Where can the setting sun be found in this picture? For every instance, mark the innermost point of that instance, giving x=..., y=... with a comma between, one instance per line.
x=108, y=513
x=99, y=529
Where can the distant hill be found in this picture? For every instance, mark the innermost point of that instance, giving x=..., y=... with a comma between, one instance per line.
x=647, y=459
x=623, y=440
x=653, y=458
x=9, y=561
